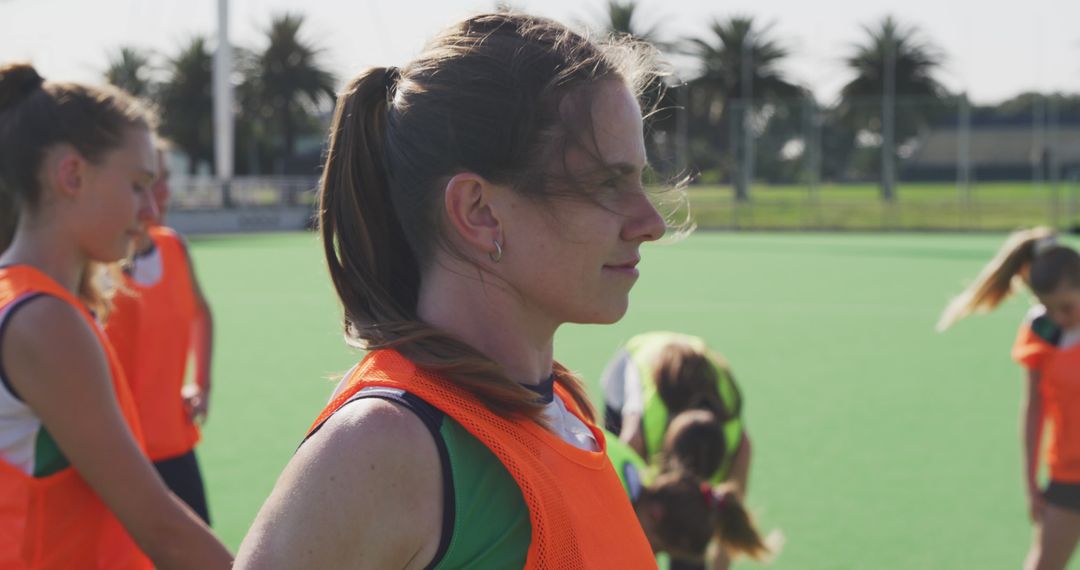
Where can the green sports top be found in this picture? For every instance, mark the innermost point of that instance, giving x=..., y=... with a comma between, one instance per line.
x=485, y=519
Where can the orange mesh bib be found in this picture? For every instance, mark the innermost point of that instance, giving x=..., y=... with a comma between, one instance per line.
x=58, y=522
x=580, y=515
x=150, y=328
x=1059, y=386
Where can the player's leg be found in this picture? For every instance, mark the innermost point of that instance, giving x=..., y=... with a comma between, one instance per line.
x=1058, y=530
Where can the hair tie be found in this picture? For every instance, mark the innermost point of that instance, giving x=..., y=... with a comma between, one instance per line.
x=390, y=80
x=714, y=500
x=1045, y=243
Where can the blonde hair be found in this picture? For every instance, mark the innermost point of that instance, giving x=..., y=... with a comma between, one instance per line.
x=999, y=277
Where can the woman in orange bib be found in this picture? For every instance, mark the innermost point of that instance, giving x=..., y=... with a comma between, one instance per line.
x=78, y=492
x=159, y=320
x=1048, y=347
x=472, y=202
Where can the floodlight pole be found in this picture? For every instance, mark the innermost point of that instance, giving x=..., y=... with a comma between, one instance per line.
x=223, y=106
x=747, y=170
x=682, y=147
x=888, y=122
x=963, y=150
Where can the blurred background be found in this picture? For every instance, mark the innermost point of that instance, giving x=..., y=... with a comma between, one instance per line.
x=787, y=115
x=823, y=126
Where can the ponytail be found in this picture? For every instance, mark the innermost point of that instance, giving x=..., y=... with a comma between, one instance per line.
x=375, y=271
x=9, y=217
x=734, y=529
x=17, y=81
x=371, y=265
x=694, y=444
x=688, y=514
x=996, y=281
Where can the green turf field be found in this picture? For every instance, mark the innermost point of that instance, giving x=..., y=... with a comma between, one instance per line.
x=878, y=444
x=918, y=206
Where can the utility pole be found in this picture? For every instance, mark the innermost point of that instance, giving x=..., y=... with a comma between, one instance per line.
x=223, y=106
x=682, y=128
x=746, y=173
x=888, y=121
x=963, y=147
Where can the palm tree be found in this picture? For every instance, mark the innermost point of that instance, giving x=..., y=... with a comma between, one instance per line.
x=187, y=103
x=739, y=75
x=129, y=69
x=620, y=19
x=893, y=63
x=291, y=79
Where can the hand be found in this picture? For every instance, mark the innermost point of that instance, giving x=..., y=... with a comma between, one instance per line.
x=1036, y=505
x=196, y=402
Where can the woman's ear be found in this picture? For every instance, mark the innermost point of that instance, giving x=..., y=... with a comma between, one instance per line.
x=65, y=171
x=468, y=201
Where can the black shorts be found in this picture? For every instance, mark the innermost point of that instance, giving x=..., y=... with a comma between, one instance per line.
x=612, y=419
x=1064, y=495
x=181, y=474
x=683, y=565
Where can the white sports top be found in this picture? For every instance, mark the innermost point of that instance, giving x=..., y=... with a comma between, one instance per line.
x=20, y=428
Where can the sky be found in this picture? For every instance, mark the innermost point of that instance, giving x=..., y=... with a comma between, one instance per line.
x=993, y=50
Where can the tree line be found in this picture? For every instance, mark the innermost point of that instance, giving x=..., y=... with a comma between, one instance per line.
x=738, y=92
x=283, y=92
x=737, y=108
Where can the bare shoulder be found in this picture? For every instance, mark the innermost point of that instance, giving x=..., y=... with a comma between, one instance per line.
x=364, y=491
x=46, y=318
x=371, y=432
x=45, y=327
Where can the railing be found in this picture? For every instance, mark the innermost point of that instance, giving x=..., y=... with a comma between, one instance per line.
x=988, y=206
x=198, y=193
x=916, y=206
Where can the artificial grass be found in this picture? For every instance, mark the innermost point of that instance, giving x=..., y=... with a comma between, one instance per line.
x=878, y=443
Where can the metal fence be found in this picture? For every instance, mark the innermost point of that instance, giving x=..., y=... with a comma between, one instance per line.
x=925, y=164
x=246, y=192
x=795, y=164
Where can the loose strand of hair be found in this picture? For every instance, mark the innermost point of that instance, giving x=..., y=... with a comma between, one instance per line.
x=996, y=281
x=735, y=529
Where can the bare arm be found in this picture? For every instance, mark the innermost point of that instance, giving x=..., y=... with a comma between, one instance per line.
x=202, y=342
x=74, y=399
x=364, y=492
x=720, y=560
x=632, y=433
x=740, y=466
x=1032, y=434
x=740, y=475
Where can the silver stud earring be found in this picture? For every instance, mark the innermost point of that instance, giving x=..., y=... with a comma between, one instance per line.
x=496, y=255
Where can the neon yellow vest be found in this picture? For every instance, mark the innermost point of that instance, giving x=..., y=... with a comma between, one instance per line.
x=627, y=463
x=644, y=350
